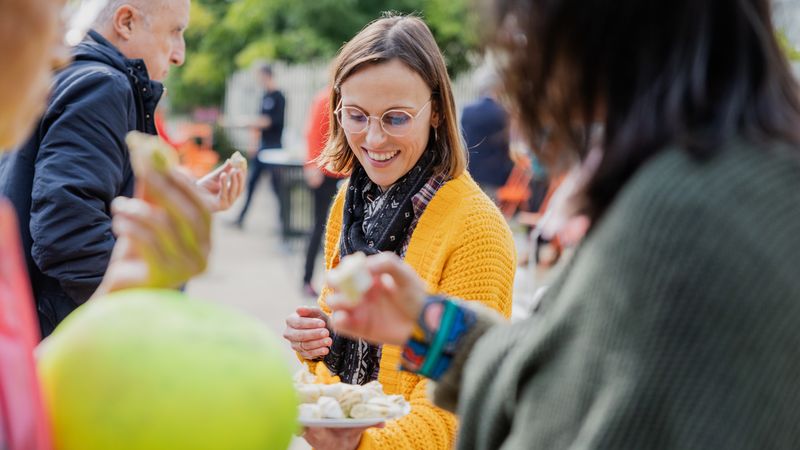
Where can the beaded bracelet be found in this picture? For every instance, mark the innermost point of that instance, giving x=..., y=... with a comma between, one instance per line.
x=434, y=340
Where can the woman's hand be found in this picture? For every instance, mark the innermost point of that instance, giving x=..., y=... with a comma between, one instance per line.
x=335, y=438
x=307, y=331
x=225, y=183
x=390, y=308
x=161, y=242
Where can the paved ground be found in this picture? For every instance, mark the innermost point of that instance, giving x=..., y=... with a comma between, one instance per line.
x=253, y=271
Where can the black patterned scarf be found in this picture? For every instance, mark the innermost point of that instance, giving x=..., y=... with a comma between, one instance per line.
x=374, y=222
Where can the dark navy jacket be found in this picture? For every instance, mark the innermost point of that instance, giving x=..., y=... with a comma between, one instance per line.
x=62, y=181
x=486, y=132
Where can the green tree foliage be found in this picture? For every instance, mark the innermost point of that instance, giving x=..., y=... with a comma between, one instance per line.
x=227, y=35
x=791, y=52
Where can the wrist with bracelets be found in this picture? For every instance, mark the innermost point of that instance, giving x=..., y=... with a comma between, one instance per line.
x=436, y=335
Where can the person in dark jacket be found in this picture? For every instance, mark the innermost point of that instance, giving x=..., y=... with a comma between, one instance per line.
x=486, y=132
x=63, y=179
x=270, y=126
x=31, y=44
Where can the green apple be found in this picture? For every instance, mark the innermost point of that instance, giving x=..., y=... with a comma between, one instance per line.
x=151, y=370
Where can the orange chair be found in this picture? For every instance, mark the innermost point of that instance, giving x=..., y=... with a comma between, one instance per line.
x=516, y=191
x=198, y=157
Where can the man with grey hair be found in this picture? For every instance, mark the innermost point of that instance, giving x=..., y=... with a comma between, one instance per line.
x=63, y=180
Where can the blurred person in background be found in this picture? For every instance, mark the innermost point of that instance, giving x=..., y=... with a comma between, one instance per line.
x=31, y=42
x=675, y=324
x=321, y=182
x=395, y=132
x=270, y=128
x=486, y=130
x=63, y=180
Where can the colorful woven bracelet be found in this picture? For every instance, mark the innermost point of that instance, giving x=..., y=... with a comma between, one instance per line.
x=435, y=337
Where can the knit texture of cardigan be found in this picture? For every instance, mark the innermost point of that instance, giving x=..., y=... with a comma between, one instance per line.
x=675, y=326
x=461, y=247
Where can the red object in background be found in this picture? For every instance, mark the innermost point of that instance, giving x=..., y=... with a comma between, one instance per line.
x=318, y=128
x=23, y=421
x=161, y=128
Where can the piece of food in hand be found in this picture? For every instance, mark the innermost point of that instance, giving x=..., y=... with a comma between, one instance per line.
x=351, y=277
x=239, y=161
x=329, y=408
x=150, y=152
x=309, y=411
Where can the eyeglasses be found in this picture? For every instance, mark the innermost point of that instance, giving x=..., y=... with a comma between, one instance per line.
x=394, y=122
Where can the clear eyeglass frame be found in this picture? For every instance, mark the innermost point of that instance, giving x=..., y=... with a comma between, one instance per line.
x=381, y=120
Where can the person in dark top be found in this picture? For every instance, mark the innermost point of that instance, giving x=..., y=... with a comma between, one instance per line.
x=32, y=44
x=273, y=111
x=323, y=183
x=486, y=132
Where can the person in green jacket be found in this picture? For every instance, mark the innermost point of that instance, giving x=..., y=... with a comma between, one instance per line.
x=675, y=323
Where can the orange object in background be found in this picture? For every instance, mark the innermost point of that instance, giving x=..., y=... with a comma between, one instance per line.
x=23, y=421
x=199, y=160
x=516, y=192
x=195, y=152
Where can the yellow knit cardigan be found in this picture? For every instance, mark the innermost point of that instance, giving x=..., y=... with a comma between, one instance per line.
x=462, y=247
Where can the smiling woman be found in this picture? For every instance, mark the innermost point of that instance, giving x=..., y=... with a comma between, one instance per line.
x=388, y=147
x=394, y=131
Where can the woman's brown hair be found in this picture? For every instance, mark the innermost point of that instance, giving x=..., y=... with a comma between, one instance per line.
x=408, y=39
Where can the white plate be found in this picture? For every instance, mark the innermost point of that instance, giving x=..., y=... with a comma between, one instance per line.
x=341, y=423
x=350, y=423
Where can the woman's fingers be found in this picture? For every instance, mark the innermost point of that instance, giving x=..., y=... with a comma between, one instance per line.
x=300, y=335
x=149, y=226
x=311, y=354
x=297, y=321
x=209, y=181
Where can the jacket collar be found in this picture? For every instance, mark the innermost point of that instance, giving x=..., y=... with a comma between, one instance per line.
x=147, y=91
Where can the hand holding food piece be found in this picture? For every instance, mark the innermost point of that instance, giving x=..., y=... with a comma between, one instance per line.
x=351, y=278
